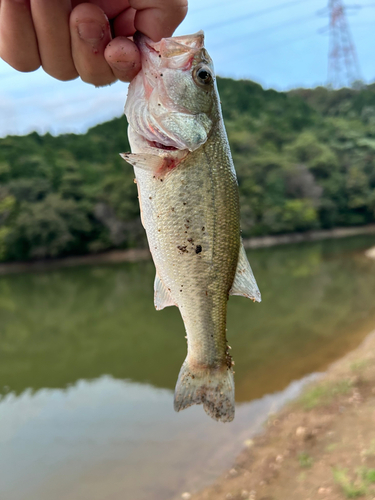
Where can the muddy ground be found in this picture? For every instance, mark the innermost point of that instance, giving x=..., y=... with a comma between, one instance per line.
x=320, y=447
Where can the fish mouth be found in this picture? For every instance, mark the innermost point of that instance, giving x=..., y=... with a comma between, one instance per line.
x=170, y=47
x=159, y=145
x=174, y=52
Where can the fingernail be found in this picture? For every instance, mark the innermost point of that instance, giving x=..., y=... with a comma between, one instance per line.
x=91, y=32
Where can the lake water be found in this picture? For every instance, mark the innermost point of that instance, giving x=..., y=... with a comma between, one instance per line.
x=88, y=368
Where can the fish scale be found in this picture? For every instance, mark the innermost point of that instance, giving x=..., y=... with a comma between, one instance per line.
x=190, y=210
x=175, y=209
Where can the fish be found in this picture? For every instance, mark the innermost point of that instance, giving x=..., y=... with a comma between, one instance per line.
x=189, y=202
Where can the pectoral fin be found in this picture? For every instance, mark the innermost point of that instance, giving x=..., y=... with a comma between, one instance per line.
x=157, y=165
x=244, y=282
x=152, y=163
x=162, y=297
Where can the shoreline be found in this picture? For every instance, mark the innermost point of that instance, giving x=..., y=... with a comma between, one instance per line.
x=322, y=234
x=320, y=445
x=370, y=253
x=141, y=254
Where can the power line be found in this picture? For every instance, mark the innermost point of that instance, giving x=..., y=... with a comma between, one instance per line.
x=296, y=39
x=251, y=15
x=267, y=29
x=217, y=5
x=284, y=42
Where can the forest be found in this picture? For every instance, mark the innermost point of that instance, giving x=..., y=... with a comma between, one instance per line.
x=305, y=160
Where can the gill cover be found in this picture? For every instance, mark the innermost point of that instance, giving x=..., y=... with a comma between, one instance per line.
x=168, y=104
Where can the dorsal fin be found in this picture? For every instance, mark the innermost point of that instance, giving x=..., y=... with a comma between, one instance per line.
x=244, y=282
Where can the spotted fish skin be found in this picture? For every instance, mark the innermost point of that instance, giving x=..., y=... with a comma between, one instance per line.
x=189, y=201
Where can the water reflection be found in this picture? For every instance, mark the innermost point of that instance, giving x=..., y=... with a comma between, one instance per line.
x=62, y=326
x=88, y=367
x=98, y=440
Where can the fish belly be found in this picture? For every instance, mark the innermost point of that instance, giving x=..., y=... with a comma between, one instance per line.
x=191, y=217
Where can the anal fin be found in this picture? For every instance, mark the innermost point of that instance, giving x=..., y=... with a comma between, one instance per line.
x=162, y=296
x=244, y=282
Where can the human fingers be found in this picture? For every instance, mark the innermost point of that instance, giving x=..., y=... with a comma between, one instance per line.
x=18, y=43
x=111, y=8
x=158, y=18
x=124, y=58
x=123, y=24
x=90, y=34
x=51, y=22
x=122, y=54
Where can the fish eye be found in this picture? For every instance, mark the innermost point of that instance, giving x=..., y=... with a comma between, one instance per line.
x=203, y=76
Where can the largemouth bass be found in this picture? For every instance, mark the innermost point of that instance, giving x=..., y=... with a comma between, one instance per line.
x=189, y=202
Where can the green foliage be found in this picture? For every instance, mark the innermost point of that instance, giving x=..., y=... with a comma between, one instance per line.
x=31, y=190
x=351, y=489
x=324, y=393
x=305, y=160
x=368, y=475
x=48, y=228
x=305, y=460
x=50, y=188
x=360, y=365
x=4, y=231
x=357, y=487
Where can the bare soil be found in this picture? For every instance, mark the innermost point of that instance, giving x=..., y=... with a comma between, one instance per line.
x=321, y=446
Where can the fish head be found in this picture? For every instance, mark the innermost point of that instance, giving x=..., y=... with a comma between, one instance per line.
x=172, y=102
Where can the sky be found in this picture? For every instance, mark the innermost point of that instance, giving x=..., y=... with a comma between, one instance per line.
x=280, y=44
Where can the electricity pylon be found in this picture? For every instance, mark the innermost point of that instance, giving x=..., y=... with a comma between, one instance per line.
x=343, y=66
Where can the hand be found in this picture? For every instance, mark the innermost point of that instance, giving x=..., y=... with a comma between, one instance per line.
x=71, y=38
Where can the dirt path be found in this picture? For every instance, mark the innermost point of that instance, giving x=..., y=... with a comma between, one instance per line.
x=321, y=446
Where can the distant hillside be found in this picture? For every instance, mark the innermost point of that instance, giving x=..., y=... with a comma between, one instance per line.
x=305, y=159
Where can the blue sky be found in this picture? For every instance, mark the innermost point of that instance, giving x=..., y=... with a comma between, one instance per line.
x=273, y=42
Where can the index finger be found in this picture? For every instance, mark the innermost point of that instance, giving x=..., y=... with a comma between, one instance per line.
x=111, y=8
x=158, y=18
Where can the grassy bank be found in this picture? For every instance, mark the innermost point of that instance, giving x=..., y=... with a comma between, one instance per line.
x=319, y=446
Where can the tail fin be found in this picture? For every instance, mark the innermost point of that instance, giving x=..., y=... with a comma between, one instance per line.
x=212, y=387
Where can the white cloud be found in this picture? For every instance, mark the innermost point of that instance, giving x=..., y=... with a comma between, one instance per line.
x=58, y=107
x=271, y=48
